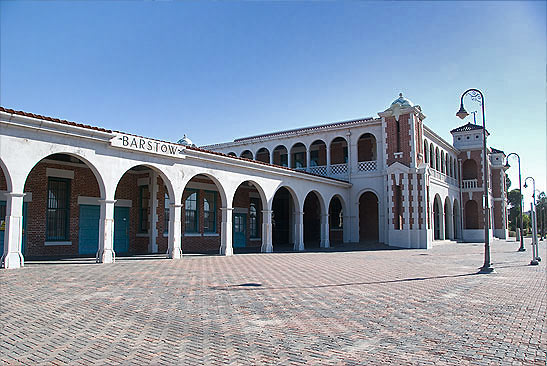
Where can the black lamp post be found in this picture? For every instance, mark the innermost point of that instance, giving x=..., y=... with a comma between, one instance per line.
x=521, y=249
x=535, y=254
x=477, y=95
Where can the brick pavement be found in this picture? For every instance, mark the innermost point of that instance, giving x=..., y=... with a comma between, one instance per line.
x=402, y=307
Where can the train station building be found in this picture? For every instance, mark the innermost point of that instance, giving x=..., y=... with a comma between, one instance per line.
x=70, y=189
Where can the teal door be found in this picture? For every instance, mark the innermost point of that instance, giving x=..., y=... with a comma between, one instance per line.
x=121, y=230
x=240, y=223
x=2, y=225
x=88, y=233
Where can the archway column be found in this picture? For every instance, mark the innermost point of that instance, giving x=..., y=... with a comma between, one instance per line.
x=12, y=257
x=267, y=243
x=308, y=158
x=226, y=247
x=325, y=242
x=299, y=230
x=174, y=245
x=327, y=152
x=106, y=254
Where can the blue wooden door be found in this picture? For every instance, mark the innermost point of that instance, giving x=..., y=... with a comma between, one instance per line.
x=239, y=230
x=2, y=225
x=88, y=233
x=121, y=230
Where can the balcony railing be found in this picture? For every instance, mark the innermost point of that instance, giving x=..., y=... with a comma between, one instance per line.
x=339, y=169
x=443, y=177
x=469, y=183
x=319, y=170
x=366, y=166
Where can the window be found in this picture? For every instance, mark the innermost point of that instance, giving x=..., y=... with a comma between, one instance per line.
x=144, y=196
x=253, y=218
x=58, y=209
x=166, y=214
x=299, y=160
x=209, y=212
x=314, y=157
x=191, y=213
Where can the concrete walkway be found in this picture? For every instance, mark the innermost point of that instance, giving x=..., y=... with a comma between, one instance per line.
x=399, y=307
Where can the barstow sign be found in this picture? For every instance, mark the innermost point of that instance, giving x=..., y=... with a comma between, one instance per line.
x=147, y=145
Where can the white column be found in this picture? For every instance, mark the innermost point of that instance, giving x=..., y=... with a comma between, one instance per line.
x=289, y=159
x=325, y=242
x=267, y=244
x=174, y=245
x=271, y=157
x=308, y=158
x=226, y=247
x=299, y=231
x=153, y=244
x=328, y=159
x=106, y=254
x=12, y=257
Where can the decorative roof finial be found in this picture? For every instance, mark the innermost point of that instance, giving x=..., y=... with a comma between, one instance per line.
x=400, y=94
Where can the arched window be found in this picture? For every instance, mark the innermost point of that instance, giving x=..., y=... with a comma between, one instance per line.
x=431, y=156
x=366, y=148
x=426, y=152
x=469, y=169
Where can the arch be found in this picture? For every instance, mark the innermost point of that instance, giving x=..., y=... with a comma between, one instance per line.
x=426, y=152
x=368, y=217
x=298, y=156
x=247, y=154
x=143, y=193
x=318, y=153
x=366, y=147
x=280, y=156
x=448, y=221
x=201, y=225
x=437, y=218
x=284, y=205
x=54, y=215
x=263, y=155
x=456, y=219
x=336, y=219
x=432, y=156
x=469, y=169
x=313, y=210
x=248, y=203
x=443, y=163
x=471, y=211
x=338, y=151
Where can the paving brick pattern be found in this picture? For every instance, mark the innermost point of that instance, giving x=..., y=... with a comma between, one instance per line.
x=401, y=307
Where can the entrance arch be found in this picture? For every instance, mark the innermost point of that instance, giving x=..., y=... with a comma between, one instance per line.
x=61, y=213
x=437, y=218
x=248, y=204
x=284, y=205
x=336, y=221
x=141, y=211
x=368, y=217
x=312, y=220
x=448, y=221
x=202, y=200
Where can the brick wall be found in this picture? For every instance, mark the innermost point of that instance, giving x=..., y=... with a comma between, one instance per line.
x=83, y=184
x=198, y=242
x=405, y=143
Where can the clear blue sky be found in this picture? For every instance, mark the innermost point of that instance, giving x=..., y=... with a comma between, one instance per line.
x=221, y=70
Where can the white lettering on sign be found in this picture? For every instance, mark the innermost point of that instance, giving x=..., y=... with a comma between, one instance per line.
x=147, y=145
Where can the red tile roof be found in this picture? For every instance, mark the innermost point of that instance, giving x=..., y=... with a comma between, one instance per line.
x=65, y=122
x=51, y=119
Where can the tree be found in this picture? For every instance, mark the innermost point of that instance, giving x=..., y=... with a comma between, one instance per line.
x=514, y=198
x=507, y=182
x=541, y=211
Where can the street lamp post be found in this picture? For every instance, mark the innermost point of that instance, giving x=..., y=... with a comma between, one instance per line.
x=535, y=255
x=521, y=249
x=462, y=113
